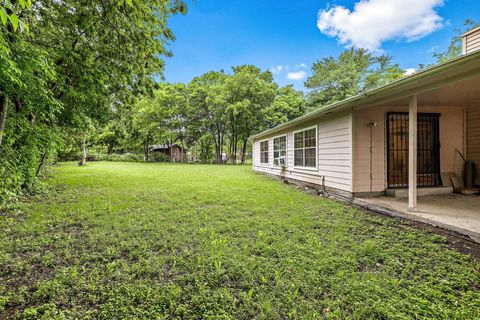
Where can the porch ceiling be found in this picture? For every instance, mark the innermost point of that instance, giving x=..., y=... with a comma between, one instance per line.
x=463, y=93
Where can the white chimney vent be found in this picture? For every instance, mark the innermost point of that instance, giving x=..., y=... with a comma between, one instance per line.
x=471, y=41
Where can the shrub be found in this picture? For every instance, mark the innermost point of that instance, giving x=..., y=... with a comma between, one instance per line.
x=160, y=157
x=124, y=157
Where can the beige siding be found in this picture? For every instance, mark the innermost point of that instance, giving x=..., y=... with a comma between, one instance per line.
x=335, y=152
x=334, y=148
x=473, y=135
x=472, y=42
x=451, y=138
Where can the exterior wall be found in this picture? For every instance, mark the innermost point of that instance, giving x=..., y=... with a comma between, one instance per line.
x=471, y=41
x=334, y=153
x=451, y=138
x=176, y=154
x=473, y=135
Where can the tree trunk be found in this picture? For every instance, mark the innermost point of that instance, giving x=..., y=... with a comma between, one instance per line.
x=84, y=151
x=220, y=146
x=145, y=150
x=244, y=150
x=233, y=148
x=216, y=148
x=110, y=148
x=42, y=162
x=3, y=115
x=217, y=137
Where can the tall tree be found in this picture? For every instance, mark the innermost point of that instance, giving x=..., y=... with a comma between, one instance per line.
x=353, y=72
x=208, y=101
x=104, y=51
x=66, y=64
x=249, y=92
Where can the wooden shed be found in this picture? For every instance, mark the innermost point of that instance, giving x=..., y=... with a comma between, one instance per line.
x=174, y=152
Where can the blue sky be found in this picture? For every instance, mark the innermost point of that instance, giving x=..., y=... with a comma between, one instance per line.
x=286, y=37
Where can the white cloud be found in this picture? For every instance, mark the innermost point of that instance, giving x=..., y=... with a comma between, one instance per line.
x=297, y=75
x=409, y=71
x=276, y=69
x=372, y=22
x=293, y=70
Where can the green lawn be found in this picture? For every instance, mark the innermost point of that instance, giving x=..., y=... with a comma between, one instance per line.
x=134, y=240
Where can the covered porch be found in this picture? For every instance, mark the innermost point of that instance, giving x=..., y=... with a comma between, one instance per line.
x=438, y=131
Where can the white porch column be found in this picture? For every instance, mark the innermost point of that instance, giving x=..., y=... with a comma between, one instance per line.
x=412, y=154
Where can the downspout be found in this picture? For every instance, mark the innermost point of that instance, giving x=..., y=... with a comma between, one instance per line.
x=371, y=125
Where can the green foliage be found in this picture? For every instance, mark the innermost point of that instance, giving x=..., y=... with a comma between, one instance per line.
x=10, y=12
x=353, y=72
x=160, y=157
x=140, y=241
x=249, y=92
x=72, y=70
x=123, y=157
x=214, y=110
x=288, y=104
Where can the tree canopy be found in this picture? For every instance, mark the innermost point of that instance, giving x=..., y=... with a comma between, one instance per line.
x=354, y=71
x=66, y=67
x=217, y=109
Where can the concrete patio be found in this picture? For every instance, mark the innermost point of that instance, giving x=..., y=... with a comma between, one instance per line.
x=455, y=212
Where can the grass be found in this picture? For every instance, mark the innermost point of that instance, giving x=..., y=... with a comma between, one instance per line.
x=136, y=241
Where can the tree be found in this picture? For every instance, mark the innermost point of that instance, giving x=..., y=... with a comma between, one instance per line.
x=288, y=104
x=162, y=117
x=232, y=107
x=249, y=92
x=68, y=64
x=106, y=52
x=353, y=72
x=208, y=103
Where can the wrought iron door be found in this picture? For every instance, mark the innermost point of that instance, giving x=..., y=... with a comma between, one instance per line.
x=428, y=150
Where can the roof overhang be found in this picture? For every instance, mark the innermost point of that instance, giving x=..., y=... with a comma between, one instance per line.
x=449, y=72
x=469, y=32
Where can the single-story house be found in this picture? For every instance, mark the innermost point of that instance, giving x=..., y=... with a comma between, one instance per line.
x=174, y=152
x=374, y=142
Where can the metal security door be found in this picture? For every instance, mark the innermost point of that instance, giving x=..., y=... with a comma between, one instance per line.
x=428, y=150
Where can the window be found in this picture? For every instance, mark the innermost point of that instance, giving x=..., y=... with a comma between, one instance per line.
x=264, y=151
x=280, y=150
x=305, y=148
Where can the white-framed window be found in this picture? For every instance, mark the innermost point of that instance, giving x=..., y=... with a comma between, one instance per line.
x=264, y=151
x=305, y=148
x=280, y=150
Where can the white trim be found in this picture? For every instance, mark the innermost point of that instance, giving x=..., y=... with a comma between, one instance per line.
x=268, y=153
x=352, y=154
x=316, y=149
x=412, y=153
x=307, y=128
x=286, y=149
